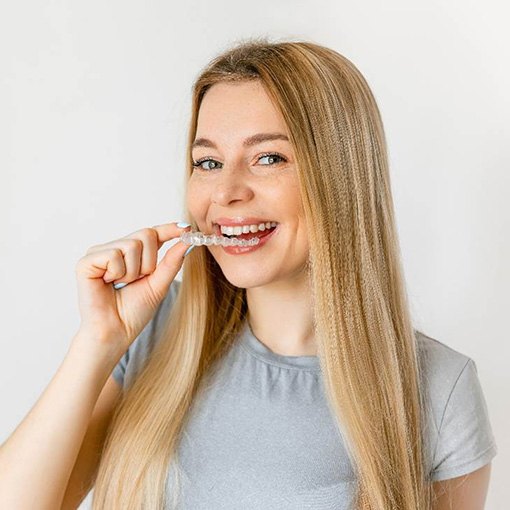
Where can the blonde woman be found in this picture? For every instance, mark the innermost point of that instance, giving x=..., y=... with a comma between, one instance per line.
x=284, y=375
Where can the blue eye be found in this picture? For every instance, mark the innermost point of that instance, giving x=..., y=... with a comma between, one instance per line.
x=200, y=162
x=272, y=155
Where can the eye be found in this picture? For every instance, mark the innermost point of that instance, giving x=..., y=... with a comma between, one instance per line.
x=271, y=155
x=200, y=162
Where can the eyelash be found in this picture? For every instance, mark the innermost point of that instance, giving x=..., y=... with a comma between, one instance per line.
x=197, y=164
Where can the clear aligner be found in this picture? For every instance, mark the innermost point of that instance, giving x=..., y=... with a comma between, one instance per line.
x=199, y=238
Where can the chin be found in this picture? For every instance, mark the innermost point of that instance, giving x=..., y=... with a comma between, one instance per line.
x=244, y=279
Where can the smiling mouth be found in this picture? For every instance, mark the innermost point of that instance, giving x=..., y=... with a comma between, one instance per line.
x=248, y=235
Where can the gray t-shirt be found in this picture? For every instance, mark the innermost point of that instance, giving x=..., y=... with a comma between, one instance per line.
x=262, y=436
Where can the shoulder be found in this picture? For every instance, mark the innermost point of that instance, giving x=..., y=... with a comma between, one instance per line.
x=140, y=349
x=441, y=367
x=457, y=420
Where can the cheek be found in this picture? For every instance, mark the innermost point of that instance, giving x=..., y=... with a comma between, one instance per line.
x=196, y=201
x=288, y=196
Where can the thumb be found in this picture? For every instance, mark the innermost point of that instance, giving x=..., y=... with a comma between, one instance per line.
x=167, y=269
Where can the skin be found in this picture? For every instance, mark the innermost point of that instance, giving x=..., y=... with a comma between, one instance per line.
x=467, y=492
x=239, y=182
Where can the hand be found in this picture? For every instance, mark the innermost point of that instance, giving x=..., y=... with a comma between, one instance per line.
x=118, y=316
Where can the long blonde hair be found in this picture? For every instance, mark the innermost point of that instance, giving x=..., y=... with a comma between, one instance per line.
x=366, y=343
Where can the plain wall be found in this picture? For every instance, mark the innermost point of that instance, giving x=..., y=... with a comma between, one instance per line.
x=94, y=106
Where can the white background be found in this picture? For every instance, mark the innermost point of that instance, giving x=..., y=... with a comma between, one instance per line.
x=94, y=106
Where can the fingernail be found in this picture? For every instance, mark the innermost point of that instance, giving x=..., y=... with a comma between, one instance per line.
x=182, y=224
x=188, y=250
x=119, y=285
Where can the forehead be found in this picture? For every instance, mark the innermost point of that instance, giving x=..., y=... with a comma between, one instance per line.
x=237, y=109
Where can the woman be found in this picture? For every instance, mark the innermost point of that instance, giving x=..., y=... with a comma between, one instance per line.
x=285, y=375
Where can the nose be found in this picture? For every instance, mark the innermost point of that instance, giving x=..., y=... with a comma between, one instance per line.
x=231, y=186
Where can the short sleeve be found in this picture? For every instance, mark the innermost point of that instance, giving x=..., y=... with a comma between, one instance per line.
x=466, y=441
x=138, y=352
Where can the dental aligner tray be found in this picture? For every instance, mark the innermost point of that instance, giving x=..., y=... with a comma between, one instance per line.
x=198, y=238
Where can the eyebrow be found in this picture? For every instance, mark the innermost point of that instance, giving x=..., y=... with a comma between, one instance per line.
x=248, y=142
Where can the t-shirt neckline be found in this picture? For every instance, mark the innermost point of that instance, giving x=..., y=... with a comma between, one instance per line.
x=261, y=351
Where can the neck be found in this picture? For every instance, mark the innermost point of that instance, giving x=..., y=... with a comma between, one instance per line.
x=280, y=316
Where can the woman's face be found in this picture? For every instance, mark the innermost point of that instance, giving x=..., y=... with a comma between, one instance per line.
x=237, y=180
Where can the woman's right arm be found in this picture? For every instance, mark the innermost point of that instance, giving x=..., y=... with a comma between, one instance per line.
x=37, y=460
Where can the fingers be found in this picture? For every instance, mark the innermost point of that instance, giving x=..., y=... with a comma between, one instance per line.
x=135, y=255
x=148, y=239
x=167, y=231
x=167, y=269
x=131, y=250
x=98, y=263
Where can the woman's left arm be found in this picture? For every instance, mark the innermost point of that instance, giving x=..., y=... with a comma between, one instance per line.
x=467, y=492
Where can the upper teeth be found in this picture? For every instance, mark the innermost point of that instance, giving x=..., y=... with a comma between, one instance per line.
x=246, y=228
